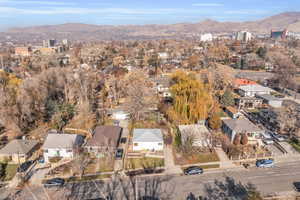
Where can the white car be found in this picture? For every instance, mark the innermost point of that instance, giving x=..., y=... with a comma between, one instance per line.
x=268, y=141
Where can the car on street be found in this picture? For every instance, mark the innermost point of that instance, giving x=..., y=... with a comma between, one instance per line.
x=119, y=154
x=55, y=182
x=24, y=166
x=268, y=141
x=193, y=170
x=267, y=135
x=265, y=163
x=123, y=140
x=278, y=138
x=297, y=186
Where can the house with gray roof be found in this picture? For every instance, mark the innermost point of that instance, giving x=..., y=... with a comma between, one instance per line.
x=18, y=150
x=271, y=100
x=147, y=140
x=252, y=90
x=60, y=145
x=232, y=127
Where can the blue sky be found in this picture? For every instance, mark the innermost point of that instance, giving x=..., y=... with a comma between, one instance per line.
x=119, y=12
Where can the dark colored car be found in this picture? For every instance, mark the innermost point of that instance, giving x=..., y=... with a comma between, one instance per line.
x=55, y=182
x=193, y=170
x=297, y=186
x=123, y=140
x=24, y=166
x=119, y=153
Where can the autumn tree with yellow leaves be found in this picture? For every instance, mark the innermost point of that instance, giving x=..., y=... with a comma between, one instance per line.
x=193, y=100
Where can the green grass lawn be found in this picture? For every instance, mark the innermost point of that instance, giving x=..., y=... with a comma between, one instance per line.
x=295, y=144
x=136, y=163
x=10, y=171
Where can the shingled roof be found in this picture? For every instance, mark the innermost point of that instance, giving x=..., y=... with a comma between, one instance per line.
x=105, y=136
x=241, y=125
x=18, y=146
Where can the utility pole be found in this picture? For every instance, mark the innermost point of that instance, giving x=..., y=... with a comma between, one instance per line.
x=2, y=65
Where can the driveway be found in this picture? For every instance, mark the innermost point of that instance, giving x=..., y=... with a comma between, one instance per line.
x=125, y=133
x=170, y=167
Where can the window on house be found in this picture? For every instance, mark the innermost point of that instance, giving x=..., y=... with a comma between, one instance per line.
x=46, y=150
x=136, y=144
x=159, y=144
x=69, y=150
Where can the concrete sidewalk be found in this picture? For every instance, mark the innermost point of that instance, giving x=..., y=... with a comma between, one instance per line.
x=225, y=162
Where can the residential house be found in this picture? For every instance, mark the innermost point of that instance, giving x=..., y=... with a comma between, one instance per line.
x=252, y=90
x=147, y=139
x=271, y=100
x=120, y=114
x=61, y=145
x=197, y=132
x=241, y=82
x=104, y=139
x=18, y=150
x=249, y=102
x=232, y=127
x=162, y=86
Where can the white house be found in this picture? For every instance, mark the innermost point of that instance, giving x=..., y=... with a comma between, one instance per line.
x=120, y=115
x=60, y=145
x=252, y=90
x=207, y=37
x=197, y=132
x=147, y=139
x=271, y=100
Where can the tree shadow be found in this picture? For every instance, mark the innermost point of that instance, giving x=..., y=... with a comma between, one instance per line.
x=230, y=189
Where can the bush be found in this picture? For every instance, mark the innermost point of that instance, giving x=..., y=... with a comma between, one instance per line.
x=54, y=159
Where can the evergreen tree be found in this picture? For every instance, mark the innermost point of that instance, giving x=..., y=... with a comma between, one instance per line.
x=227, y=98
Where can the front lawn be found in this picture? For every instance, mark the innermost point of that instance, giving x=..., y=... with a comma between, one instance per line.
x=195, y=158
x=136, y=163
x=100, y=165
x=295, y=144
x=10, y=172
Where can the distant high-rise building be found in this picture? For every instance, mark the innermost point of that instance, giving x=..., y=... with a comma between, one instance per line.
x=279, y=34
x=207, y=37
x=243, y=36
x=49, y=43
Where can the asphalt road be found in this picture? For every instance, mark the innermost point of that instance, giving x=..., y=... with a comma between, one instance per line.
x=274, y=180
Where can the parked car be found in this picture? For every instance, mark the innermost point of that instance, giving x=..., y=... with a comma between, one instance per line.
x=123, y=140
x=265, y=163
x=279, y=138
x=119, y=154
x=193, y=170
x=297, y=186
x=268, y=141
x=267, y=135
x=55, y=182
x=24, y=166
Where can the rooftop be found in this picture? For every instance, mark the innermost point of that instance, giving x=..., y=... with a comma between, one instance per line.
x=255, y=88
x=197, y=131
x=147, y=135
x=105, y=136
x=62, y=140
x=18, y=147
x=241, y=125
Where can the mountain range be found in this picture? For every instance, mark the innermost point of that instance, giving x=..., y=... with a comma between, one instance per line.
x=87, y=32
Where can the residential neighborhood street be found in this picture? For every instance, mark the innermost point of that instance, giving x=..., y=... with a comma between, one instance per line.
x=269, y=181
